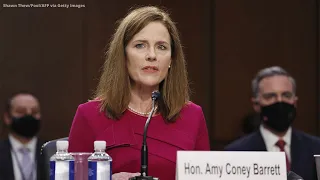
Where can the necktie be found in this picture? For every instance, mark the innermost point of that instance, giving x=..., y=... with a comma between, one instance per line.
x=281, y=145
x=26, y=164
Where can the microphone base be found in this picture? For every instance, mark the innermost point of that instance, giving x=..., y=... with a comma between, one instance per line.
x=143, y=178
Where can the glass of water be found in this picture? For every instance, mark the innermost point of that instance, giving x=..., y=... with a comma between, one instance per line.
x=81, y=165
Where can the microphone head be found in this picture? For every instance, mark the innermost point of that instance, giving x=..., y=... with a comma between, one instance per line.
x=155, y=95
x=293, y=176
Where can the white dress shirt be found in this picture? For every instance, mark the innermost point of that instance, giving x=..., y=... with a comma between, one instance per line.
x=15, y=147
x=271, y=139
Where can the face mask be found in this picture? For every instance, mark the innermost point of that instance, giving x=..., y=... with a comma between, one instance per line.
x=278, y=116
x=26, y=126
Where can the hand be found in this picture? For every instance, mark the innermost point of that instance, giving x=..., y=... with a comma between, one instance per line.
x=124, y=175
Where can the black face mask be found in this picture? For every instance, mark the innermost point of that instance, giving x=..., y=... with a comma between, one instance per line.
x=278, y=116
x=26, y=126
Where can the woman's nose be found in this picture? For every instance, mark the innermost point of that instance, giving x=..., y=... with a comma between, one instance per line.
x=151, y=55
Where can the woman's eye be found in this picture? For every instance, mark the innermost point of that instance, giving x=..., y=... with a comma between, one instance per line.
x=139, y=46
x=162, y=47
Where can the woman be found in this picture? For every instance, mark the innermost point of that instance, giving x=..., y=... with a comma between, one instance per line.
x=144, y=55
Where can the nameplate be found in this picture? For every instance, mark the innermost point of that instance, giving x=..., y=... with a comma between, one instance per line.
x=231, y=165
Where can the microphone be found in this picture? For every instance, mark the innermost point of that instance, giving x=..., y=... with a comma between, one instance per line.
x=293, y=176
x=144, y=150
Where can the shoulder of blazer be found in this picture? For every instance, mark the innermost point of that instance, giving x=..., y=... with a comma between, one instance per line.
x=251, y=142
x=302, y=138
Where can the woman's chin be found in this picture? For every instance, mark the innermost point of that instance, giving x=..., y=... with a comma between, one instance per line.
x=148, y=84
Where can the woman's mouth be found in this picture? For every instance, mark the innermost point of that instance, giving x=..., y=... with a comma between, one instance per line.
x=150, y=69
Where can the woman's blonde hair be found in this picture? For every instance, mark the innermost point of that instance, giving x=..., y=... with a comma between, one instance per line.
x=114, y=86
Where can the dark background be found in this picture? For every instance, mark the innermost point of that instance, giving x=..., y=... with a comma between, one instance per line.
x=57, y=53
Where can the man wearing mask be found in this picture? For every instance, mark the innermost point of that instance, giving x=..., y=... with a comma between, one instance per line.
x=20, y=153
x=274, y=98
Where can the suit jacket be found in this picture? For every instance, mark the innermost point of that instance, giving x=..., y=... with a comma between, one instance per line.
x=303, y=147
x=6, y=165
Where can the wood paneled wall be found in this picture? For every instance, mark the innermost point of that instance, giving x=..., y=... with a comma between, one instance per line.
x=58, y=53
x=251, y=35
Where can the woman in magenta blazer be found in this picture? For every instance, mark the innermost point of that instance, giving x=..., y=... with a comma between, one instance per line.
x=144, y=55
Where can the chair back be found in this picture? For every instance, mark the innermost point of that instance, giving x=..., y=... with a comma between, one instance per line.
x=47, y=150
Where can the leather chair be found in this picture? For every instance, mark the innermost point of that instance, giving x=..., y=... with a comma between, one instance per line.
x=47, y=150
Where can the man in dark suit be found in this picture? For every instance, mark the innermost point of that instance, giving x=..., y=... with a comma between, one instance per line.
x=274, y=98
x=20, y=153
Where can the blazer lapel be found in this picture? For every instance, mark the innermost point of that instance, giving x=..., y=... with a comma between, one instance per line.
x=298, y=157
x=6, y=165
x=258, y=143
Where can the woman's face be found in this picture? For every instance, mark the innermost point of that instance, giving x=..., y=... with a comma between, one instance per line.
x=148, y=55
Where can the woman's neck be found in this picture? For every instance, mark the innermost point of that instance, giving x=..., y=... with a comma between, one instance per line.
x=141, y=100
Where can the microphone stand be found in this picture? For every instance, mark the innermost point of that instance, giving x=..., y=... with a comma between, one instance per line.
x=144, y=149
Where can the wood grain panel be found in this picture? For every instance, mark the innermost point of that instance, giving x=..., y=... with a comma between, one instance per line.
x=42, y=53
x=251, y=35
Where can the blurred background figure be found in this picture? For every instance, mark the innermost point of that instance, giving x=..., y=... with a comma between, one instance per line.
x=274, y=98
x=20, y=152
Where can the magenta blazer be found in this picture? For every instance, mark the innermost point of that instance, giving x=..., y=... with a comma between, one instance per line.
x=124, y=137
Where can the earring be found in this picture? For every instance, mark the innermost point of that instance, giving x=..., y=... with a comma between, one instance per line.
x=169, y=66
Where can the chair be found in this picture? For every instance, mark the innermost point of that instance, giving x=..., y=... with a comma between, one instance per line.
x=47, y=150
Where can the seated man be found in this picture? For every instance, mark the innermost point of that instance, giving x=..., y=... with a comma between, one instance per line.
x=20, y=153
x=274, y=98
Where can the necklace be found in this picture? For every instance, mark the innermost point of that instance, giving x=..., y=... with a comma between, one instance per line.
x=141, y=113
